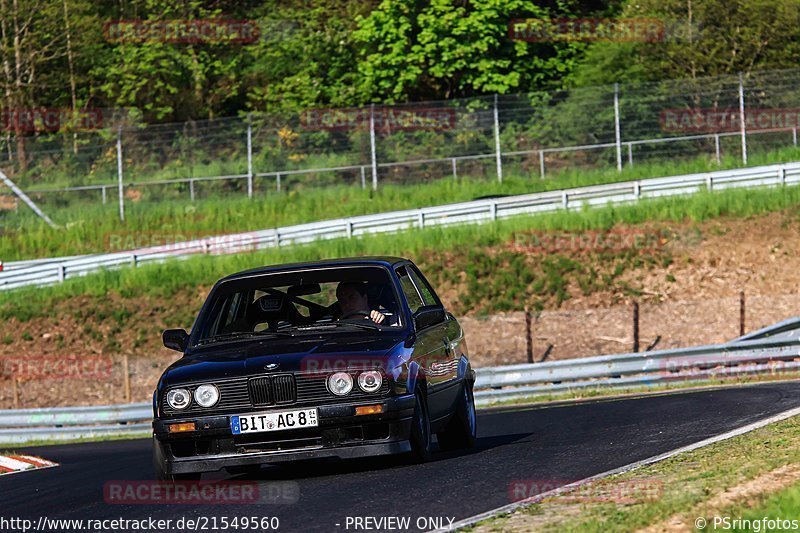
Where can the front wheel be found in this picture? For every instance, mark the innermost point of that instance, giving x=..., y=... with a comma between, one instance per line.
x=421, y=440
x=462, y=429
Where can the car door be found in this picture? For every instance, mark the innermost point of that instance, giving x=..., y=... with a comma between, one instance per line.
x=430, y=349
x=444, y=370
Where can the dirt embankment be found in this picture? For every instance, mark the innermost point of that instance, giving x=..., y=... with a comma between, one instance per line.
x=694, y=299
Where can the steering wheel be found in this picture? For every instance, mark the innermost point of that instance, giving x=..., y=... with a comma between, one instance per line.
x=362, y=313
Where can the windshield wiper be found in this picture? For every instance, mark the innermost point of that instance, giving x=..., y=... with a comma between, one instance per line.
x=241, y=334
x=334, y=325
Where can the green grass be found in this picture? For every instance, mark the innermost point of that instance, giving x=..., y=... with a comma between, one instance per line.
x=785, y=505
x=90, y=227
x=443, y=252
x=684, y=483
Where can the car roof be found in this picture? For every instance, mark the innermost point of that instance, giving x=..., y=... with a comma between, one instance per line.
x=387, y=261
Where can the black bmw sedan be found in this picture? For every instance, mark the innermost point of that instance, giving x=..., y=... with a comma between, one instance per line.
x=339, y=358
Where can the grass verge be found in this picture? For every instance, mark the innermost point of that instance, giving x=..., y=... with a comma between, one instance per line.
x=494, y=281
x=90, y=227
x=674, y=493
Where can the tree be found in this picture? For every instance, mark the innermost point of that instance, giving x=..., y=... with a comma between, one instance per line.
x=416, y=50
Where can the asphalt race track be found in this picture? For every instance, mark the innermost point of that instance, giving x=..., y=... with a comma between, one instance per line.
x=564, y=443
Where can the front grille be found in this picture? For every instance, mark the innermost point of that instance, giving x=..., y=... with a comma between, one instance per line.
x=241, y=394
x=284, y=388
x=260, y=391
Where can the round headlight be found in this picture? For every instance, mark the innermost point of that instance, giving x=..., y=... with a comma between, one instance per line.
x=206, y=395
x=340, y=383
x=179, y=398
x=370, y=381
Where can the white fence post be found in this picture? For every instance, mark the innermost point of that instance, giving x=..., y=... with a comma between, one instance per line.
x=372, y=147
x=120, y=186
x=249, y=157
x=616, y=127
x=716, y=147
x=498, y=154
x=742, y=118
x=541, y=164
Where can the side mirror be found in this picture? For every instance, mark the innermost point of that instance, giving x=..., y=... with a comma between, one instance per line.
x=428, y=315
x=175, y=339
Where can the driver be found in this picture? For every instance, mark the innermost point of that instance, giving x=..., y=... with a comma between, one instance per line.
x=352, y=296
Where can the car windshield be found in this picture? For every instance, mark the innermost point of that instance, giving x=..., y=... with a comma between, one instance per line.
x=361, y=299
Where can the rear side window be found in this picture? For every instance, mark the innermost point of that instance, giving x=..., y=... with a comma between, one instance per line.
x=428, y=296
x=409, y=289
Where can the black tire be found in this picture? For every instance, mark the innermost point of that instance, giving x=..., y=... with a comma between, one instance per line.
x=462, y=429
x=420, y=437
x=161, y=473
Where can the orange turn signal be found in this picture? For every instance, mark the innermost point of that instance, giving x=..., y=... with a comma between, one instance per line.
x=369, y=409
x=183, y=426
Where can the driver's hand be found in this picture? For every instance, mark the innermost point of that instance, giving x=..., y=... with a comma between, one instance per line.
x=377, y=316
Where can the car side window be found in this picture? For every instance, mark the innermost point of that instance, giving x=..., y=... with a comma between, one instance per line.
x=409, y=289
x=428, y=296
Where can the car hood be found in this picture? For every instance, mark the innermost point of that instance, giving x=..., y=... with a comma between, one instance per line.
x=246, y=358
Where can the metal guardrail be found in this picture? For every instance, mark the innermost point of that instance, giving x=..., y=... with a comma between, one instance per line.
x=772, y=349
x=45, y=271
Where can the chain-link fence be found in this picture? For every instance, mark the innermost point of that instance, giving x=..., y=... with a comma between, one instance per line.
x=537, y=135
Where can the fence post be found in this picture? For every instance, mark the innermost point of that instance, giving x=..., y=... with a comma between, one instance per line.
x=541, y=164
x=278, y=182
x=616, y=127
x=743, y=126
x=528, y=335
x=191, y=190
x=741, y=313
x=126, y=378
x=103, y=189
x=120, y=186
x=635, y=327
x=630, y=154
x=363, y=177
x=498, y=154
x=455, y=172
x=716, y=147
x=372, y=147
x=794, y=136
x=249, y=157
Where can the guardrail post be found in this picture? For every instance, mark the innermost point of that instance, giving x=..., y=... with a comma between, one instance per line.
x=743, y=125
x=493, y=210
x=61, y=272
x=541, y=164
x=710, y=183
x=782, y=175
x=637, y=190
x=372, y=147
x=455, y=172
x=716, y=147
x=616, y=127
x=249, y=157
x=565, y=200
x=134, y=260
x=349, y=229
x=498, y=154
x=421, y=219
x=120, y=186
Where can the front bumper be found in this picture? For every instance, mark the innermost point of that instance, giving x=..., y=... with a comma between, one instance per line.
x=340, y=434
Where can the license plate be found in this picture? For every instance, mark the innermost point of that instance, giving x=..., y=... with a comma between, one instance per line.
x=274, y=421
